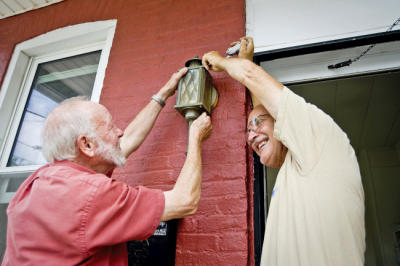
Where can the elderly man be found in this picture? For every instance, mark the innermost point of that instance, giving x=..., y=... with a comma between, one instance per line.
x=316, y=215
x=71, y=212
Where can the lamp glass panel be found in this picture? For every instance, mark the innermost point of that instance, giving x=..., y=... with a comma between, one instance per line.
x=189, y=93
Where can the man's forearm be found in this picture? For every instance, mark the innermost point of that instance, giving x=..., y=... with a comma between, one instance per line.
x=189, y=180
x=263, y=86
x=183, y=199
x=137, y=131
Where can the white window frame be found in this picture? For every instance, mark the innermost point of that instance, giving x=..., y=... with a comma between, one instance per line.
x=314, y=67
x=57, y=44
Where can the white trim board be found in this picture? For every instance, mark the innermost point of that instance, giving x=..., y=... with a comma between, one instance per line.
x=73, y=37
x=312, y=67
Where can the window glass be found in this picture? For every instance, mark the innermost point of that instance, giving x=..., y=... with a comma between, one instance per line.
x=54, y=82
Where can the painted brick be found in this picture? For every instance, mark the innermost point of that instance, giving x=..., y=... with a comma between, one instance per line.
x=199, y=242
x=213, y=223
x=232, y=241
x=210, y=258
x=224, y=187
x=225, y=205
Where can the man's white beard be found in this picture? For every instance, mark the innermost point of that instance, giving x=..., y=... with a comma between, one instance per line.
x=110, y=153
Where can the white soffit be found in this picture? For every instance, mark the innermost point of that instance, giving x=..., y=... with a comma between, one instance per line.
x=10, y=8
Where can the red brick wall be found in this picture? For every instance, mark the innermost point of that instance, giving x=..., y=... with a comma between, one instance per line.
x=153, y=39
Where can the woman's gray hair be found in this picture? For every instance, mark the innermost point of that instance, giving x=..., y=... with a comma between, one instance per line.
x=63, y=126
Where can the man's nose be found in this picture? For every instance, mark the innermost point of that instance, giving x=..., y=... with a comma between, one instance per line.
x=251, y=136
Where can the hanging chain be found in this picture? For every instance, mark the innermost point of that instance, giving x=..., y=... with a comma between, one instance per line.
x=350, y=61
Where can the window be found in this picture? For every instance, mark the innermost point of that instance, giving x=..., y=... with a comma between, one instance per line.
x=43, y=72
x=54, y=82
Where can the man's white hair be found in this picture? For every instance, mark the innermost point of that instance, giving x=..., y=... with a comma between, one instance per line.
x=62, y=128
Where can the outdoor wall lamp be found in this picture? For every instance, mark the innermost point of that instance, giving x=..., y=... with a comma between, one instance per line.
x=196, y=94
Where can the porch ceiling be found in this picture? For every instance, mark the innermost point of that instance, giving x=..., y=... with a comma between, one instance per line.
x=14, y=7
x=367, y=108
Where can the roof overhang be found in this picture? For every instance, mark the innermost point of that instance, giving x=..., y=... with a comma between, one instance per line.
x=10, y=8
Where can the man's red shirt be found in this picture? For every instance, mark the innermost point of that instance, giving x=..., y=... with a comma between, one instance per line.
x=65, y=214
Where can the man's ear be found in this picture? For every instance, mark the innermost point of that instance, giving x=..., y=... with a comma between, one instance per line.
x=86, y=146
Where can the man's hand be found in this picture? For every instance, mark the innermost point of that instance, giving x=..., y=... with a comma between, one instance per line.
x=213, y=61
x=201, y=127
x=170, y=87
x=246, y=48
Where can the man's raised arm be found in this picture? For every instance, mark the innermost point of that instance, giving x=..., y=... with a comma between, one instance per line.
x=263, y=86
x=137, y=131
x=183, y=199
